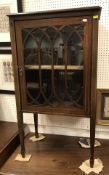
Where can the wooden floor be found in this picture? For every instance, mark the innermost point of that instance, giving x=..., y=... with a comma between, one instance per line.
x=56, y=155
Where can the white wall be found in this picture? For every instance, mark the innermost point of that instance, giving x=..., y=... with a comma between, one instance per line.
x=61, y=124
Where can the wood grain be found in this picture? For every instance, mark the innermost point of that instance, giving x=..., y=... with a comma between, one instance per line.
x=40, y=20
x=9, y=140
x=56, y=155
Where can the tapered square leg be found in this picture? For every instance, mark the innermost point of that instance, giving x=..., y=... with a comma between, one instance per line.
x=36, y=125
x=37, y=136
x=21, y=133
x=92, y=139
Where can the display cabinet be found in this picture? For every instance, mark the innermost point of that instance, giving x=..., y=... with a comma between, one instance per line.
x=54, y=61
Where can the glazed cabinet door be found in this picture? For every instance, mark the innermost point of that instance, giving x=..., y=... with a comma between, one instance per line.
x=54, y=64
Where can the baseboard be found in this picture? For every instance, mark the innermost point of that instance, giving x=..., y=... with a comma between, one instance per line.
x=102, y=133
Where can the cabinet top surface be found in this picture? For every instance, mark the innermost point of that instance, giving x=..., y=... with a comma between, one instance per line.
x=93, y=10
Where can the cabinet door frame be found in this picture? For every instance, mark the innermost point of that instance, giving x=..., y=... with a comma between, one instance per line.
x=86, y=21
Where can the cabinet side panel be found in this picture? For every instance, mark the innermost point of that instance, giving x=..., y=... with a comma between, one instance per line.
x=87, y=62
x=94, y=67
x=15, y=64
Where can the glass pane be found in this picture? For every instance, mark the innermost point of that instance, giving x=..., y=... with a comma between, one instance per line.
x=69, y=87
x=32, y=85
x=59, y=51
x=75, y=87
x=46, y=52
x=46, y=84
x=38, y=86
x=54, y=85
x=30, y=48
x=75, y=46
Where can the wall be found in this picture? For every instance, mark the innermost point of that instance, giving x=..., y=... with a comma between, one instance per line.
x=61, y=124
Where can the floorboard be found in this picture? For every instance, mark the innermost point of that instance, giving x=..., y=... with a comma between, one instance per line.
x=55, y=155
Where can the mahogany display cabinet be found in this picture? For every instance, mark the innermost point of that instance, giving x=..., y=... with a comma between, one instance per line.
x=54, y=61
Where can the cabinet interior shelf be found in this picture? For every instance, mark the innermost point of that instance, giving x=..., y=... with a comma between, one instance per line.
x=55, y=67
